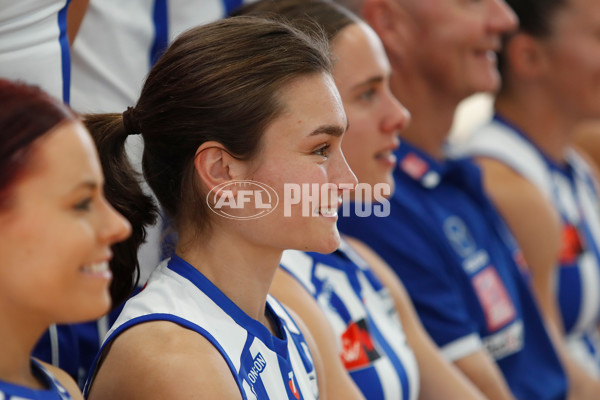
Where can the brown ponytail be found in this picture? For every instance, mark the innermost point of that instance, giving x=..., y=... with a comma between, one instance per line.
x=123, y=190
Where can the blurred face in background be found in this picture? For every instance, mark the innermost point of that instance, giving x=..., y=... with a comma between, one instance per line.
x=572, y=52
x=362, y=74
x=453, y=43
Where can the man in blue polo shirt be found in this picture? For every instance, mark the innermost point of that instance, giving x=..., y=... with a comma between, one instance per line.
x=443, y=237
x=463, y=271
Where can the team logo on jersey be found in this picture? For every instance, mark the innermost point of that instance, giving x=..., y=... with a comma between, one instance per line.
x=358, y=350
x=494, y=299
x=459, y=236
x=414, y=166
x=571, y=245
x=242, y=199
x=292, y=385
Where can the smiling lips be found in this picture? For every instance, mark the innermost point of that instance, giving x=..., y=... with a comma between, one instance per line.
x=98, y=269
x=488, y=53
x=329, y=211
x=386, y=157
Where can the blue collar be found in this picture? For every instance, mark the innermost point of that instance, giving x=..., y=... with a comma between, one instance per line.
x=279, y=345
x=419, y=166
x=51, y=385
x=429, y=172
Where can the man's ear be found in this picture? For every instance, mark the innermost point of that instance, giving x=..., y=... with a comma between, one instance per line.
x=215, y=165
x=392, y=24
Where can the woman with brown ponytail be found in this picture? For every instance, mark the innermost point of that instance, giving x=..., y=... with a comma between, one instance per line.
x=236, y=101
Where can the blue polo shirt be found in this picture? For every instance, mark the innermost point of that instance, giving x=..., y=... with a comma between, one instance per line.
x=463, y=270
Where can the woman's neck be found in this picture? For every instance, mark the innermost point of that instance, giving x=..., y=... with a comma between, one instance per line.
x=549, y=130
x=18, y=336
x=241, y=270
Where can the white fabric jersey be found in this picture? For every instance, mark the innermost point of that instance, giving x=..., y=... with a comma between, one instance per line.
x=117, y=41
x=264, y=366
x=111, y=55
x=34, y=46
x=573, y=191
x=371, y=341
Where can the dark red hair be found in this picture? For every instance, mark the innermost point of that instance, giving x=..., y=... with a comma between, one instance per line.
x=26, y=113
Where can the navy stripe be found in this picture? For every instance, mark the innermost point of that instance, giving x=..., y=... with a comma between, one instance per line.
x=160, y=17
x=302, y=348
x=393, y=357
x=252, y=326
x=340, y=307
x=231, y=5
x=589, y=344
x=65, y=53
x=569, y=283
x=365, y=379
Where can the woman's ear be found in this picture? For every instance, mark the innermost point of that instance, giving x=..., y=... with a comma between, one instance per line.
x=526, y=57
x=215, y=165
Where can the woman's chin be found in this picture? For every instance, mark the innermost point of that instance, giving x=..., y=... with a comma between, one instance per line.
x=326, y=245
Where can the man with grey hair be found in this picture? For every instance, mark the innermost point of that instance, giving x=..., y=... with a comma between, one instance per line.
x=443, y=237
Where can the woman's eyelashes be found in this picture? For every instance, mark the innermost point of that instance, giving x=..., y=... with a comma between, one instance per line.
x=84, y=204
x=322, y=150
x=368, y=95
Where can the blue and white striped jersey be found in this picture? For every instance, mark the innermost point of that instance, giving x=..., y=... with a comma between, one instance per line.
x=371, y=341
x=573, y=191
x=263, y=366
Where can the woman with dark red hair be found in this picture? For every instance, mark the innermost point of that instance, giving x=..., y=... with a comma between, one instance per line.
x=57, y=229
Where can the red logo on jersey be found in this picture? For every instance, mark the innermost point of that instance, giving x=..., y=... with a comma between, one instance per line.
x=495, y=301
x=414, y=166
x=358, y=350
x=571, y=245
x=293, y=386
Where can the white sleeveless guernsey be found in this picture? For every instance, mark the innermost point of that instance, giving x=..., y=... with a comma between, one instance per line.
x=263, y=366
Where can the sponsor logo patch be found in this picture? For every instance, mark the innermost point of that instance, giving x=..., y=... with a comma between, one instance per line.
x=571, y=246
x=414, y=166
x=358, y=350
x=495, y=301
